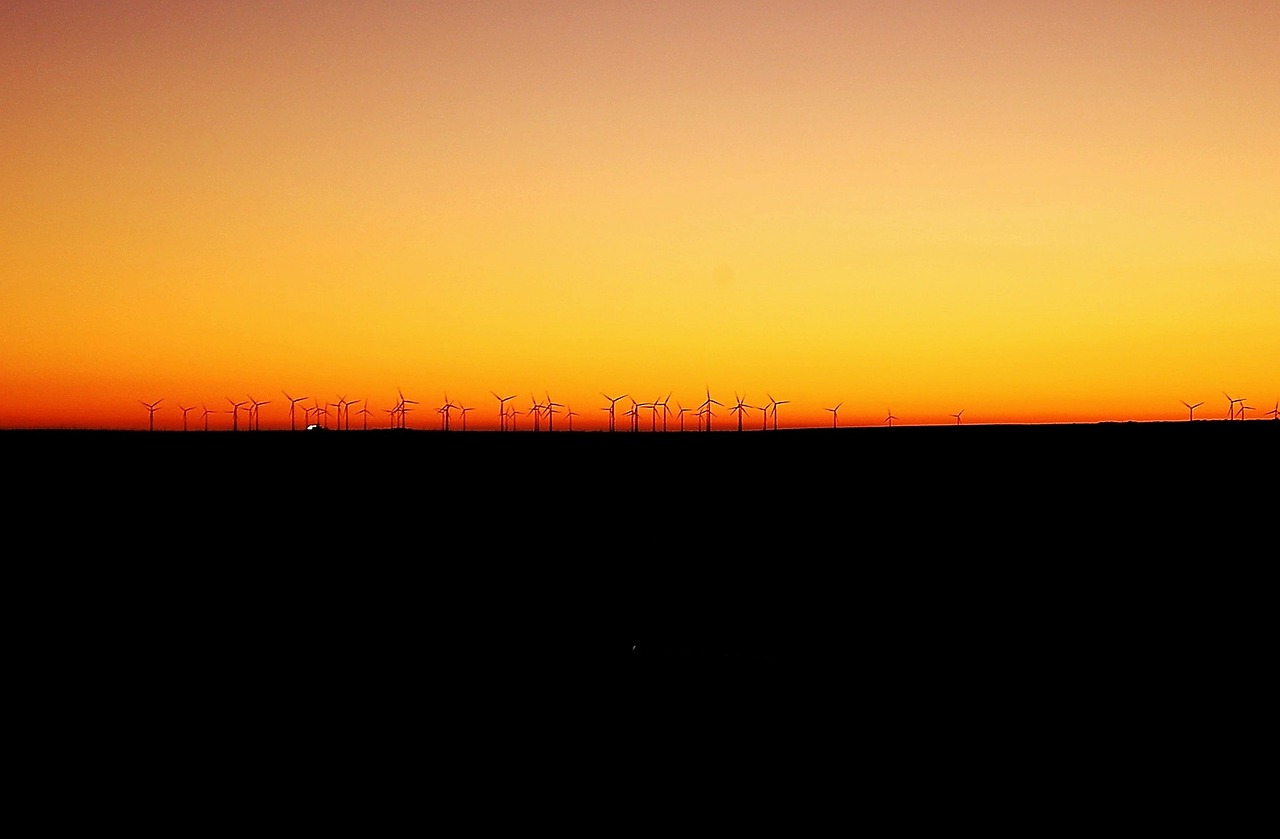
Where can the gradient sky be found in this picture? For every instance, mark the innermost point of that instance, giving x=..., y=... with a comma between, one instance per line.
x=1029, y=211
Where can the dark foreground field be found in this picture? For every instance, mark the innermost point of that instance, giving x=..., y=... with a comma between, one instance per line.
x=961, y=526
x=933, y=588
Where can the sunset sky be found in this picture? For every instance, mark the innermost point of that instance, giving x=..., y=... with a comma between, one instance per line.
x=1059, y=211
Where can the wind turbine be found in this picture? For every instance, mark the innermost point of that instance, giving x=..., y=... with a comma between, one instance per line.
x=463, y=410
x=404, y=408
x=740, y=407
x=151, y=407
x=653, y=413
x=1191, y=409
x=835, y=413
x=613, y=401
x=890, y=418
x=550, y=408
x=536, y=410
x=293, y=403
x=206, y=415
x=346, y=411
x=253, y=412
x=184, y=415
x=706, y=407
x=321, y=412
x=666, y=412
x=502, y=410
x=680, y=411
x=365, y=412
x=235, y=413
x=444, y=411
x=570, y=413
x=773, y=404
x=634, y=413
x=341, y=406
x=1244, y=407
x=1274, y=413
x=957, y=416
x=1231, y=405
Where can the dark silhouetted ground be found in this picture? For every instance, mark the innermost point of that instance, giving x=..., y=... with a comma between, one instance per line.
x=922, y=561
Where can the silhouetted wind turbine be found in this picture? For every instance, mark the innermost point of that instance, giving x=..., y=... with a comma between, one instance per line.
x=151, y=407
x=340, y=406
x=739, y=408
x=666, y=412
x=835, y=413
x=570, y=414
x=536, y=410
x=404, y=408
x=550, y=408
x=957, y=416
x=1191, y=409
x=706, y=406
x=613, y=400
x=346, y=411
x=463, y=410
x=206, y=415
x=773, y=405
x=634, y=413
x=184, y=415
x=444, y=411
x=322, y=414
x=235, y=413
x=365, y=412
x=1274, y=413
x=1244, y=407
x=680, y=412
x=1231, y=405
x=254, y=422
x=890, y=418
x=653, y=413
x=293, y=403
x=502, y=410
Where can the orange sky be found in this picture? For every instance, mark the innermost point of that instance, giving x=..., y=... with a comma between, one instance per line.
x=1031, y=212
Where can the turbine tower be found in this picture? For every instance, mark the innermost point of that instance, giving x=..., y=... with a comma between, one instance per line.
x=706, y=408
x=235, y=413
x=773, y=406
x=613, y=401
x=293, y=404
x=502, y=410
x=253, y=413
x=550, y=408
x=151, y=412
x=740, y=407
x=1191, y=409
